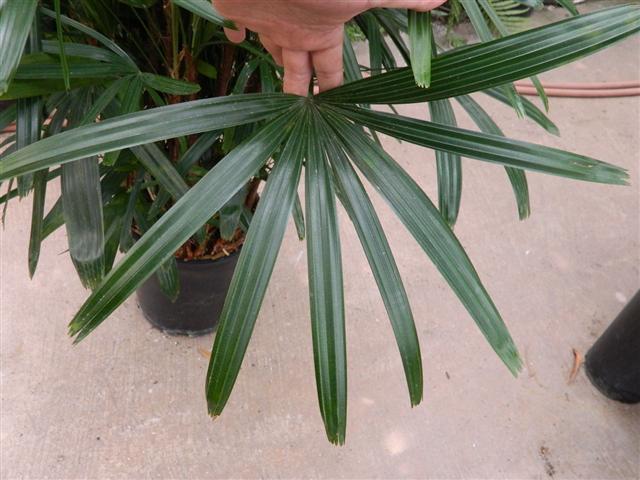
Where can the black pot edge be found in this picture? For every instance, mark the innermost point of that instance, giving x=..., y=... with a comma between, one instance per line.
x=177, y=332
x=605, y=389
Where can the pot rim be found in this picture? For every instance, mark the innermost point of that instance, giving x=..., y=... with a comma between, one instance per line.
x=200, y=261
x=209, y=261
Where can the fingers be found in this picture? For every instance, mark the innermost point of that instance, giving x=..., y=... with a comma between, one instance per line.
x=297, y=71
x=274, y=49
x=235, y=36
x=328, y=66
x=418, y=5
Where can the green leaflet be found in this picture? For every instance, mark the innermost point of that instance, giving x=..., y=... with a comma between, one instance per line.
x=169, y=85
x=351, y=67
x=130, y=101
x=82, y=202
x=82, y=206
x=167, y=273
x=392, y=28
x=64, y=63
x=55, y=217
x=427, y=226
x=104, y=100
x=204, y=9
x=139, y=3
x=326, y=296
x=29, y=115
x=244, y=75
x=379, y=53
x=43, y=66
x=569, y=5
x=41, y=177
x=12, y=193
x=91, y=33
x=190, y=158
x=33, y=88
x=16, y=18
x=112, y=227
x=7, y=116
x=530, y=110
x=253, y=271
x=81, y=50
x=230, y=214
x=143, y=127
x=156, y=162
x=420, y=47
x=449, y=166
x=196, y=151
x=541, y=92
x=490, y=148
x=37, y=217
x=125, y=237
x=517, y=177
x=531, y=3
x=357, y=204
x=268, y=80
x=169, y=279
x=298, y=218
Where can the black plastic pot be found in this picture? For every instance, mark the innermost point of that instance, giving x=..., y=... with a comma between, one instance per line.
x=196, y=311
x=613, y=362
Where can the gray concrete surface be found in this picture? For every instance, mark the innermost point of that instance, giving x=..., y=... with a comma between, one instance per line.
x=128, y=402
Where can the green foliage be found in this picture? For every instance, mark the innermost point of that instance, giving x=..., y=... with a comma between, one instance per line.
x=162, y=130
x=420, y=35
x=15, y=25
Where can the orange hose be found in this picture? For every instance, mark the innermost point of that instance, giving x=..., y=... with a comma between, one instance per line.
x=581, y=93
x=586, y=86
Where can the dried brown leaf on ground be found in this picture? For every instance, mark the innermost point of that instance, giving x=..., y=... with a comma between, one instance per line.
x=578, y=360
x=205, y=353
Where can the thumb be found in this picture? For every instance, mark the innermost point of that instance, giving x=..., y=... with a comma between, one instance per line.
x=235, y=36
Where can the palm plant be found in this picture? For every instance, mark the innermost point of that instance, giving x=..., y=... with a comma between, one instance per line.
x=136, y=158
x=510, y=12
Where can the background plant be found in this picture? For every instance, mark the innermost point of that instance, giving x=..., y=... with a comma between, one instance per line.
x=167, y=165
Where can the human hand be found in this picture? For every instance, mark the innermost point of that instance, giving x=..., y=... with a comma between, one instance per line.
x=304, y=35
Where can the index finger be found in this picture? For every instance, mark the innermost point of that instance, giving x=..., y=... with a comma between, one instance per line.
x=328, y=66
x=297, y=71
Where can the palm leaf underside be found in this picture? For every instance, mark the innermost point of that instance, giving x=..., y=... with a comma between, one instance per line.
x=321, y=139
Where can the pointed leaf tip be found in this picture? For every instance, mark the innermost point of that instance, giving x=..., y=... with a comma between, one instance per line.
x=421, y=48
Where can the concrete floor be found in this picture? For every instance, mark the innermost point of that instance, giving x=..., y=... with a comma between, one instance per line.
x=128, y=402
